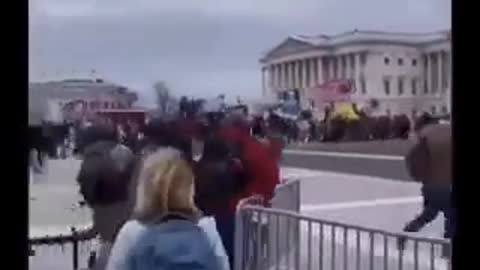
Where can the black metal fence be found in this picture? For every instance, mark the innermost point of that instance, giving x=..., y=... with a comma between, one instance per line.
x=77, y=250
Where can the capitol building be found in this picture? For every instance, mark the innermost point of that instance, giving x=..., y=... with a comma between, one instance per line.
x=404, y=73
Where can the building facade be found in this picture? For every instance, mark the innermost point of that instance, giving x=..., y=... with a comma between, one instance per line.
x=73, y=99
x=405, y=73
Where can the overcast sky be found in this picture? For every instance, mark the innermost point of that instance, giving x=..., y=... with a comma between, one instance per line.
x=199, y=47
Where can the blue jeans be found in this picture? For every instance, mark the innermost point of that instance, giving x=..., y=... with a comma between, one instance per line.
x=226, y=228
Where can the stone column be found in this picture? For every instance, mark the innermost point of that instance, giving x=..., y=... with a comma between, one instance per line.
x=291, y=73
x=281, y=76
x=304, y=74
x=449, y=82
x=339, y=67
x=273, y=87
x=264, y=88
x=286, y=68
x=320, y=70
x=277, y=76
x=301, y=81
x=298, y=74
x=344, y=64
x=330, y=68
x=449, y=70
x=270, y=76
x=441, y=67
x=351, y=66
x=432, y=72
x=312, y=72
x=333, y=67
x=427, y=72
x=357, y=75
x=327, y=62
x=292, y=76
x=351, y=69
x=287, y=75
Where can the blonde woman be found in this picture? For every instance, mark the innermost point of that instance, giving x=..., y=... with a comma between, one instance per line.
x=167, y=231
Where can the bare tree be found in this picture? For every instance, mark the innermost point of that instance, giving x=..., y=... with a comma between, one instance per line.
x=163, y=95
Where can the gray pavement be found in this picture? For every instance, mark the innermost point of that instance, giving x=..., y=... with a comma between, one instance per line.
x=362, y=200
x=392, y=169
x=54, y=198
x=53, y=210
x=387, y=147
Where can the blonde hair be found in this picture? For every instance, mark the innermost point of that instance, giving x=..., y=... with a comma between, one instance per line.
x=165, y=185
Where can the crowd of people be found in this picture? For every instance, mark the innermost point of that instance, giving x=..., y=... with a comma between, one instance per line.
x=337, y=124
x=155, y=191
x=159, y=204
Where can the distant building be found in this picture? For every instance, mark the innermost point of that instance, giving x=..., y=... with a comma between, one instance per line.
x=404, y=73
x=74, y=99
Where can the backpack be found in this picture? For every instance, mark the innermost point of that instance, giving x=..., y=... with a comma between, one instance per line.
x=105, y=173
x=418, y=161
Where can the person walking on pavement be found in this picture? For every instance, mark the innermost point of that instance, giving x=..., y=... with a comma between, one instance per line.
x=430, y=163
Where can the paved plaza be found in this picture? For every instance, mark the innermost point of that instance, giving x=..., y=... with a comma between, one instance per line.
x=54, y=197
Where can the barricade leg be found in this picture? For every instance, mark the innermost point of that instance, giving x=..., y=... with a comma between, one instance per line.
x=296, y=243
x=239, y=242
x=75, y=249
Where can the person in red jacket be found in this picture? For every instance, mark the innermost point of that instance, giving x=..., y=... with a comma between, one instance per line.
x=274, y=146
x=262, y=176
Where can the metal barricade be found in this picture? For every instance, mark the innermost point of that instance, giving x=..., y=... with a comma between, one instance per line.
x=331, y=245
x=254, y=243
x=251, y=240
x=66, y=251
x=287, y=195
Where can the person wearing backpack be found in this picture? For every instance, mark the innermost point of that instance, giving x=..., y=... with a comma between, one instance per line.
x=167, y=230
x=105, y=181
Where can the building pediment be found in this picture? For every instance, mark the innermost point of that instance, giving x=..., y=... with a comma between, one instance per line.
x=295, y=44
x=288, y=46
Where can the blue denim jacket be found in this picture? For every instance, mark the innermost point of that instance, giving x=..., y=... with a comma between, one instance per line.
x=172, y=245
